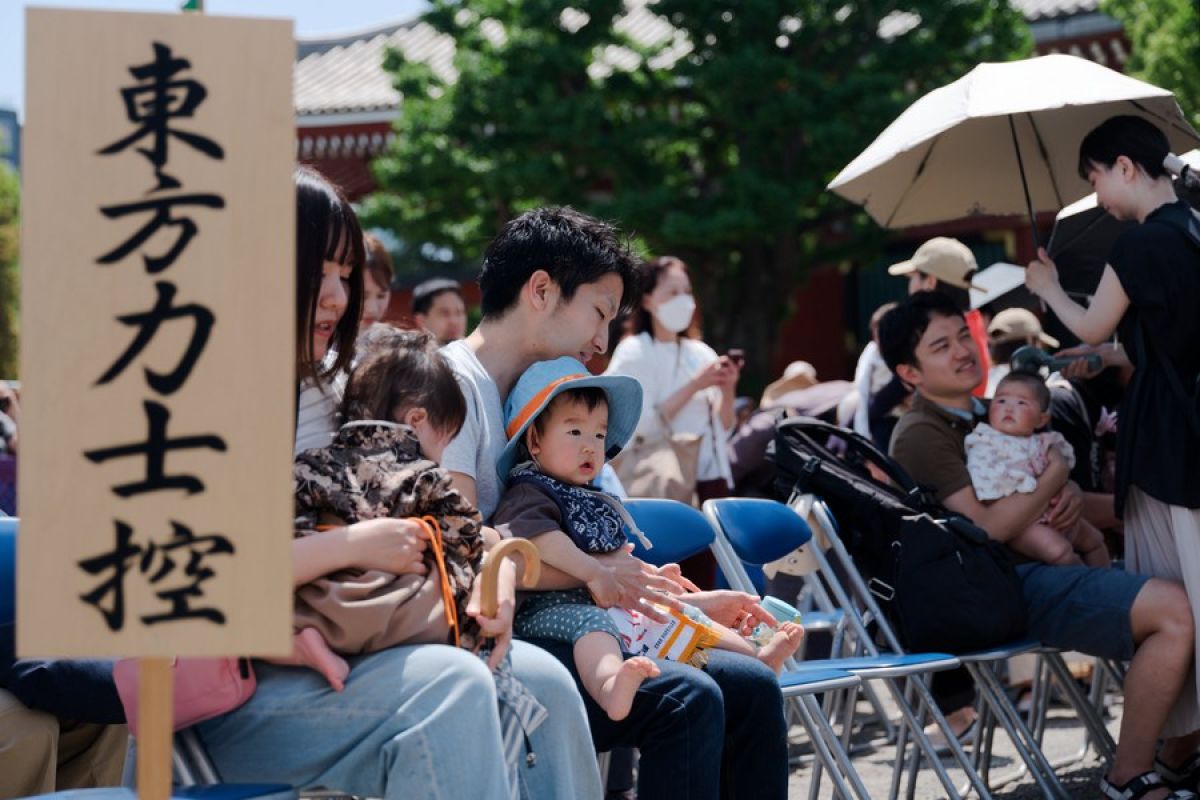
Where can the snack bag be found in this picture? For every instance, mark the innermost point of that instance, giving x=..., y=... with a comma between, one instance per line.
x=684, y=637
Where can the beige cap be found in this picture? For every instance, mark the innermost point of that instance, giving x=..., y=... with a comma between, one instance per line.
x=798, y=375
x=1018, y=325
x=948, y=260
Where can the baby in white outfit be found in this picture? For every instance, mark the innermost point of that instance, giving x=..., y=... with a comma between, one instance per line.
x=1006, y=454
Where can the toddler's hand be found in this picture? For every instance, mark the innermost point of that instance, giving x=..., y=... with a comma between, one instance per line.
x=672, y=572
x=499, y=627
x=603, y=587
x=642, y=587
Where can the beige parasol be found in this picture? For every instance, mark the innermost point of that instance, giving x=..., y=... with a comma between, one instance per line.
x=1001, y=140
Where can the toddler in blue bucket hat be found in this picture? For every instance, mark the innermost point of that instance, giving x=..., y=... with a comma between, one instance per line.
x=562, y=424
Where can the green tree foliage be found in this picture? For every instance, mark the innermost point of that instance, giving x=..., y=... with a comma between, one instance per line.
x=715, y=145
x=10, y=210
x=1165, y=35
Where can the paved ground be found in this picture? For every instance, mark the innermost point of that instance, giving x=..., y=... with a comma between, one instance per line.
x=874, y=757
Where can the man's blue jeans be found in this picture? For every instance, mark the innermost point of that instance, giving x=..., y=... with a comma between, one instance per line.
x=717, y=732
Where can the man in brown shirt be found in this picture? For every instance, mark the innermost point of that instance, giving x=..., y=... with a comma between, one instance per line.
x=1109, y=613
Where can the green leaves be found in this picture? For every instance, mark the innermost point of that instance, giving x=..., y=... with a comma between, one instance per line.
x=10, y=224
x=1166, y=46
x=709, y=128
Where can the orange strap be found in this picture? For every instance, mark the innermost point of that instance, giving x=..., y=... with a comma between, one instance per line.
x=536, y=401
x=434, y=529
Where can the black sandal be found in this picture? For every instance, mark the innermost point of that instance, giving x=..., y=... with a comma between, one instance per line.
x=1140, y=786
x=1185, y=776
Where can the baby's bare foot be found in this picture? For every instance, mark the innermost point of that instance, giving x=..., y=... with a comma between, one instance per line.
x=312, y=649
x=783, y=644
x=617, y=693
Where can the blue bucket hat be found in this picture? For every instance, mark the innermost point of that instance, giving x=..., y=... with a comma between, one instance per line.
x=544, y=381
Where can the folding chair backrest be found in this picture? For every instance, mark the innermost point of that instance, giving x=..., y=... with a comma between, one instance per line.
x=750, y=533
x=759, y=531
x=8, y=570
x=8, y=590
x=676, y=530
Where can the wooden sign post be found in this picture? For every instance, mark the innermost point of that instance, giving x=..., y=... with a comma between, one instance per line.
x=157, y=346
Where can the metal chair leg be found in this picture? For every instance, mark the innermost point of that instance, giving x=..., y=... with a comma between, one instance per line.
x=1105, y=745
x=845, y=778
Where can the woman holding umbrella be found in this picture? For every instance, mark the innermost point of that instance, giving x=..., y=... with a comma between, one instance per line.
x=1149, y=294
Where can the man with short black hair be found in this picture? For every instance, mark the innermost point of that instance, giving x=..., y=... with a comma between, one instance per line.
x=552, y=281
x=438, y=307
x=1109, y=613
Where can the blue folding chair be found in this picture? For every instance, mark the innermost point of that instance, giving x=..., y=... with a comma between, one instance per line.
x=756, y=532
x=678, y=531
x=190, y=762
x=994, y=705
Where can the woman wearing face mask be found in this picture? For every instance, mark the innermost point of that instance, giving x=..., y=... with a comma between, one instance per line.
x=684, y=381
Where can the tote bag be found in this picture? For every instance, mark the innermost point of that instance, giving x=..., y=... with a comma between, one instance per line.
x=660, y=465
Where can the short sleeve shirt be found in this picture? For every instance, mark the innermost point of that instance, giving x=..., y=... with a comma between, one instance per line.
x=929, y=443
x=1159, y=269
x=478, y=446
x=526, y=511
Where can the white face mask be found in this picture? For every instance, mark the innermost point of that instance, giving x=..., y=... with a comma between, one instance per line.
x=676, y=314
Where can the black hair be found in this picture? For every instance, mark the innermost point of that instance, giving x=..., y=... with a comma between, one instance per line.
x=428, y=291
x=327, y=229
x=1034, y=381
x=379, y=262
x=1136, y=138
x=1002, y=352
x=650, y=273
x=958, y=295
x=590, y=396
x=573, y=248
x=901, y=329
x=402, y=369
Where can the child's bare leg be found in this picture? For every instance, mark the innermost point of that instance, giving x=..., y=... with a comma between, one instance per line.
x=1088, y=542
x=610, y=679
x=732, y=641
x=309, y=649
x=1045, y=544
x=784, y=643
x=782, y=646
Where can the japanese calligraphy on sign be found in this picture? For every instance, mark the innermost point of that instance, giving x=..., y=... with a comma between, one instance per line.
x=158, y=331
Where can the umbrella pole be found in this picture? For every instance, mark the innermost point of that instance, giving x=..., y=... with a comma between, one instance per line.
x=1012, y=127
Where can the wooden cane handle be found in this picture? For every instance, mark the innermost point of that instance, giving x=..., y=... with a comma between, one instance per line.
x=507, y=548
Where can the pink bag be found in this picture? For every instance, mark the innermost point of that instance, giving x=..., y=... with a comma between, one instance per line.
x=203, y=688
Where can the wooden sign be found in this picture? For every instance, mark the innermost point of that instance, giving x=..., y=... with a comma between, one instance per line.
x=158, y=333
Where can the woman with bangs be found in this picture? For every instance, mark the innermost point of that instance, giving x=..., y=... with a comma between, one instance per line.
x=407, y=715
x=1148, y=295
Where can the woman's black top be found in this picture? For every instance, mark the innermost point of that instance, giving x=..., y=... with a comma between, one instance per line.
x=1159, y=268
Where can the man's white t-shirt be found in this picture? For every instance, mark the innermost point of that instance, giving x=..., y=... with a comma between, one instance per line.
x=478, y=446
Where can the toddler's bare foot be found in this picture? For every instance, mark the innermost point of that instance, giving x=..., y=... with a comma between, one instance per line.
x=312, y=649
x=617, y=693
x=783, y=644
